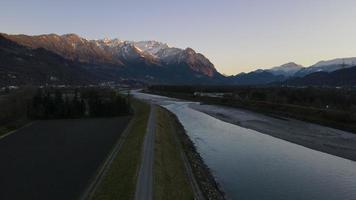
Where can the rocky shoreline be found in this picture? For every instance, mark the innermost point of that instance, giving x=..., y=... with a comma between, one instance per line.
x=207, y=183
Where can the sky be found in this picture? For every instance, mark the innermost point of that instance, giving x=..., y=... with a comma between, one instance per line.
x=236, y=35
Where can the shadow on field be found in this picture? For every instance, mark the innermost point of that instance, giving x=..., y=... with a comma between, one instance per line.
x=55, y=159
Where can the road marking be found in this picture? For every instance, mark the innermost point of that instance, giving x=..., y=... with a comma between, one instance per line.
x=14, y=131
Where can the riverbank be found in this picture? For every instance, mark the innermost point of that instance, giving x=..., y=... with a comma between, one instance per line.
x=309, y=134
x=208, y=185
x=242, y=159
x=170, y=178
x=335, y=118
x=321, y=138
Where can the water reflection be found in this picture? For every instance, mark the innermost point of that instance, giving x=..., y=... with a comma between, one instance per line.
x=252, y=165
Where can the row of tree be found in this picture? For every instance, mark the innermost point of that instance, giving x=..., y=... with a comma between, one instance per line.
x=50, y=104
x=337, y=98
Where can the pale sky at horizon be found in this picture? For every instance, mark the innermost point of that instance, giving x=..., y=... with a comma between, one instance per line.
x=236, y=35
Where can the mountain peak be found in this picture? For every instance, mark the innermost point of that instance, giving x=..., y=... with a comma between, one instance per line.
x=288, y=69
x=291, y=65
x=71, y=35
x=189, y=50
x=287, y=66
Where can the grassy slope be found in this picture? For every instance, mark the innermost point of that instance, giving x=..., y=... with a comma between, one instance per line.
x=120, y=180
x=170, y=179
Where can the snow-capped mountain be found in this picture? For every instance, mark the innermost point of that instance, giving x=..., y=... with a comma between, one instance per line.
x=151, y=47
x=288, y=69
x=338, y=61
x=144, y=58
x=266, y=76
x=148, y=61
x=328, y=66
x=159, y=53
x=292, y=70
x=106, y=42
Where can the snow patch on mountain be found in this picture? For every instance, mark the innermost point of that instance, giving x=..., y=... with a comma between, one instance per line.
x=153, y=50
x=328, y=66
x=288, y=69
x=151, y=47
x=339, y=61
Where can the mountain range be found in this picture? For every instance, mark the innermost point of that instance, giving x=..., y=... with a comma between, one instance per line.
x=71, y=59
x=291, y=71
x=340, y=77
x=147, y=61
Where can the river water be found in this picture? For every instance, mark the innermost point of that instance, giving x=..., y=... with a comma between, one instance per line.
x=255, y=166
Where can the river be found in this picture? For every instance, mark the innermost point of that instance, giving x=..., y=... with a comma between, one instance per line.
x=252, y=165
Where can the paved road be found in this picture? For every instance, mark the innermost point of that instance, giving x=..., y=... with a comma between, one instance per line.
x=144, y=186
x=55, y=159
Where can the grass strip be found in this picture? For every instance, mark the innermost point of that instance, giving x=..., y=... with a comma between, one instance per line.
x=170, y=178
x=120, y=180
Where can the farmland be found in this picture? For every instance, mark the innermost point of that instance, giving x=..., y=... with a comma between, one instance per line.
x=56, y=159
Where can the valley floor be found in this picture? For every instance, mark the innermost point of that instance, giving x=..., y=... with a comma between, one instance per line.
x=157, y=160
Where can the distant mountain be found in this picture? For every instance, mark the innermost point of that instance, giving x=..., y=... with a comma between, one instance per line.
x=265, y=76
x=328, y=73
x=341, y=77
x=149, y=61
x=328, y=66
x=258, y=77
x=51, y=58
x=289, y=69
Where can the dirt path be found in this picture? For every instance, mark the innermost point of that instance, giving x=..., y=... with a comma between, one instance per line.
x=144, y=187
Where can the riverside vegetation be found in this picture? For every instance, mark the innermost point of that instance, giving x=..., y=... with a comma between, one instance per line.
x=334, y=107
x=26, y=104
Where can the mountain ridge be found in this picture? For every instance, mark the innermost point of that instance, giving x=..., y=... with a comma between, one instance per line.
x=341, y=77
x=149, y=61
x=290, y=72
x=114, y=60
x=117, y=52
x=328, y=66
